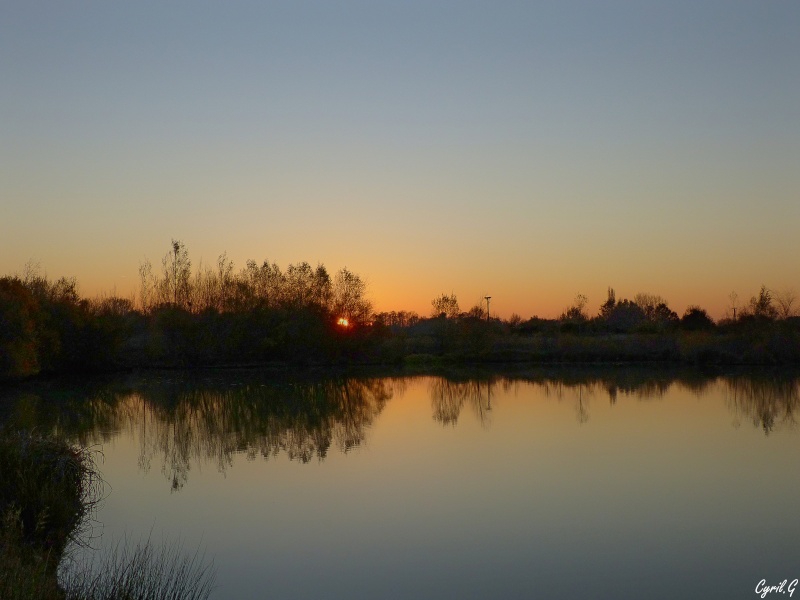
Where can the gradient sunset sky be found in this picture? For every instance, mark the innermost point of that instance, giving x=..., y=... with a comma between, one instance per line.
x=529, y=151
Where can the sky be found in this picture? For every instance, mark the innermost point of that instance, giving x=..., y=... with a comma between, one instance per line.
x=529, y=151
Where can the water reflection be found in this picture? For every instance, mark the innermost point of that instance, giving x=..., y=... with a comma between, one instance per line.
x=185, y=419
x=181, y=421
x=448, y=398
x=769, y=402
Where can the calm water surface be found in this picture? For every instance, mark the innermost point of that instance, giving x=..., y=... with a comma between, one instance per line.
x=545, y=484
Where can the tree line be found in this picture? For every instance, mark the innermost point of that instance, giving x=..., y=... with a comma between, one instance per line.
x=214, y=315
x=764, y=331
x=255, y=287
x=180, y=317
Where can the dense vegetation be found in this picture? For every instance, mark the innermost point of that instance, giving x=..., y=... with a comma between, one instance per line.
x=303, y=316
x=210, y=318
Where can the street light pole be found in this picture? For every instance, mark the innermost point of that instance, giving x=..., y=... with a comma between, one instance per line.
x=487, y=308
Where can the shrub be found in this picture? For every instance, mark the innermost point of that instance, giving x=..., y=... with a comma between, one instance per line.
x=48, y=487
x=696, y=319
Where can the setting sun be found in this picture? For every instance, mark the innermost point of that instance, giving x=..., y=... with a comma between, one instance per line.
x=343, y=322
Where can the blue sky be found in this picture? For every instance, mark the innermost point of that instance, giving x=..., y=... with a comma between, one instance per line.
x=530, y=151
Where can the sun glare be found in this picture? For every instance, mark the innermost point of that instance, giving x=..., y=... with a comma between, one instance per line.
x=343, y=322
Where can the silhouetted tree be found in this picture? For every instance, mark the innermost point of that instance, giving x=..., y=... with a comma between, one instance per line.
x=476, y=312
x=268, y=281
x=399, y=318
x=664, y=316
x=322, y=290
x=761, y=306
x=625, y=316
x=299, y=285
x=785, y=300
x=514, y=320
x=733, y=297
x=658, y=316
x=609, y=304
x=146, y=285
x=175, y=287
x=446, y=306
x=225, y=282
x=576, y=312
x=19, y=352
x=649, y=303
x=695, y=319
x=349, y=297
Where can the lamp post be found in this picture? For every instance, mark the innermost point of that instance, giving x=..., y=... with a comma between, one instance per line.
x=487, y=307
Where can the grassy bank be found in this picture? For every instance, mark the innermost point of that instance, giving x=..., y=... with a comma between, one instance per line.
x=48, y=489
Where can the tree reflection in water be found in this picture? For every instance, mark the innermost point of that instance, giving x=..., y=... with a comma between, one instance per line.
x=448, y=397
x=181, y=419
x=178, y=422
x=302, y=420
x=769, y=402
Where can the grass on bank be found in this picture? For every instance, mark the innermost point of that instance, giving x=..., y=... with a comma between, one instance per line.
x=48, y=489
x=143, y=571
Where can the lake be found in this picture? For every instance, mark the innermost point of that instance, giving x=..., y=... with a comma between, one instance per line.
x=541, y=483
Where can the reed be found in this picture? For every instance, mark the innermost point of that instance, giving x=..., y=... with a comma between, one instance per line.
x=141, y=571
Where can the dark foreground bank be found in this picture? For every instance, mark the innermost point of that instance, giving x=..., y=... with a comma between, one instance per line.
x=48, y=490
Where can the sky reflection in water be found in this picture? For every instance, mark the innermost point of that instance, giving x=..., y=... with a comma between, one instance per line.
x=597, y=484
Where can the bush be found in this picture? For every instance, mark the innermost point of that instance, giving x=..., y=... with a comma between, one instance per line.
x=48, y=487
x=696, y=319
